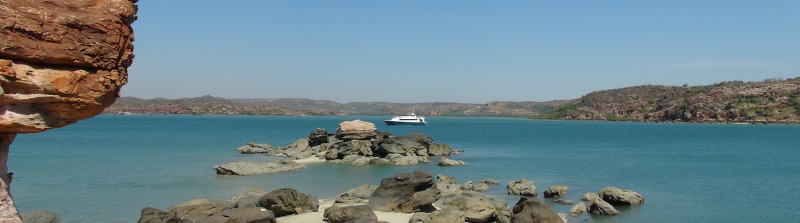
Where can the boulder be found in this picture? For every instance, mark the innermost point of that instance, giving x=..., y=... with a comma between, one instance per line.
x=590, y=196
x=445, y=179
x=356, y=129
x=405, y=193
x=418, y=217
x=248, y=215
x=437, y=149
x=253, y=148
x=247, y=199
x=448, y=162
x=406, y=160
x=533, y=211
x=198, y=202
x=364, y=147
x=360, y=161
x=477, y=207
x=332, y=154
x=468, y=185
x=555, y=191
x=256, y=167
x=445, y=216
x=318, y=136
x=616, y=196
x=578, y=209
x=365, y=219
x=411, y=144
x=481, y=187
x=356, y=195
x=601, y=207
x=42, y=216
x=298, y=149
x=288, y=201
x=148, y=215
x=197, y=213
x=490, y=181
x=341, y=214
x=209, y=213
x=522, y=187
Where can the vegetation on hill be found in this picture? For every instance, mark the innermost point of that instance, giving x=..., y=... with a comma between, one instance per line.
x=769, y=101
x=298, y=106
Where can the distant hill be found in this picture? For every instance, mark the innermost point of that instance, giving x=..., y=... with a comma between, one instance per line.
x=769, y=101
x=298, y=106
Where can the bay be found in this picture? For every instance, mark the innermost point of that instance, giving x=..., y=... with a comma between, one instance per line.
x=106, y=169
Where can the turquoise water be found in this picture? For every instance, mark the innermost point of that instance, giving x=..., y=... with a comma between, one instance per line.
x=106, y=169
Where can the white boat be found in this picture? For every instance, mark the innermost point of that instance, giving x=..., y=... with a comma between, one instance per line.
x=410, y=119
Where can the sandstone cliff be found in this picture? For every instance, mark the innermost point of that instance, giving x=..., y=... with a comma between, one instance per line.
x=770, y=101
x=60, y=62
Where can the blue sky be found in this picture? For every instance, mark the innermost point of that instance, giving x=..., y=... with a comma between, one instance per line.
x=454, y=51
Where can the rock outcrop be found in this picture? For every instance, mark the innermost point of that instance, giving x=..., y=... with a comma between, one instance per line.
x=405, y=193
x=60, y=62
x=359, y=143
x=254, y=167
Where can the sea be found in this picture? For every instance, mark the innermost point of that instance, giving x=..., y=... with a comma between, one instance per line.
x=107, y=168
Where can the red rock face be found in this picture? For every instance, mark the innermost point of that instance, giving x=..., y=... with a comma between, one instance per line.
x=61, y=61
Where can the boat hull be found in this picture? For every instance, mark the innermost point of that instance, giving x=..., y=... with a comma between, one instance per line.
x=389, y=122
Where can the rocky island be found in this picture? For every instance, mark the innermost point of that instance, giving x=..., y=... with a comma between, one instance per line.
x=355, y=142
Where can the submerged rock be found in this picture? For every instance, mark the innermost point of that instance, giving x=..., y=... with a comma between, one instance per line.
x=490, y=181
x=253, y=148
x=405, y=193
x=256, y=167
x=40, y=216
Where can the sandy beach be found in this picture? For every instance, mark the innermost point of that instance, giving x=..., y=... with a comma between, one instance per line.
x=315, y=217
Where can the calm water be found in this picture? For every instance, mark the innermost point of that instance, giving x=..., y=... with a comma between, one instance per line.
x=108, y=168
